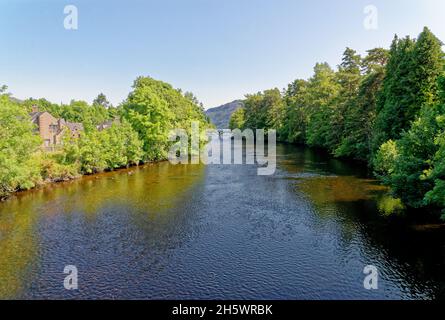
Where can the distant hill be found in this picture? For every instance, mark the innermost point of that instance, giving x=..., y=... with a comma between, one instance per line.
x=220, y=116
x=16, y=100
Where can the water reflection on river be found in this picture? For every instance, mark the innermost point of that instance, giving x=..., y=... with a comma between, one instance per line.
x=191, y=232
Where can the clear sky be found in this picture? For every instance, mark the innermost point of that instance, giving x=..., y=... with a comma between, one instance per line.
x=219, y=50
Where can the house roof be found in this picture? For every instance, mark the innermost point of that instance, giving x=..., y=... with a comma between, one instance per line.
x=107, y=124
x=35, y=115
x=74, y=126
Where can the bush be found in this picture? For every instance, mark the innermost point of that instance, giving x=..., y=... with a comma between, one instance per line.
x=385, y=160
x=96, y=151
x=53, y=170
x=17, y=143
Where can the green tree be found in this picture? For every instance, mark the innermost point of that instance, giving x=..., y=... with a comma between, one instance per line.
x=436, y=196
x=349, y=77
x=265, y=110
x=18, y=142
x=255, y=111
x=416, y=150
x=428, y=58
x=149, y=113
x=324, y=90
x=96, y=151
x=396, y=92
x=237, y=119
x=411, y=82
x=101, y=100
x=276, y=107
x=362, y=109
x=296, y=111
x=387, y=109
x=416, y=174
x=43, y=105
x=416, y=171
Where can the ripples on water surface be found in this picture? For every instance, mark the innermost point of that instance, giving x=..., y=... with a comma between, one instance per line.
x=196, y=232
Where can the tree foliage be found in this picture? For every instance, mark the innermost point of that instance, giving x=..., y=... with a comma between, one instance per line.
x=139, y=133
x=237, y=119
x=154, y=108
x=96, y=151
x=17, y=144
x=386, y=108
x=264, y=110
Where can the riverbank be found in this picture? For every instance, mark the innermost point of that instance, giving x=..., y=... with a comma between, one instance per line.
x=89, y=139
x=385, y=108
x=55, y=179
x=426, y=214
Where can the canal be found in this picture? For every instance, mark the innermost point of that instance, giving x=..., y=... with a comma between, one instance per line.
x=218, y=232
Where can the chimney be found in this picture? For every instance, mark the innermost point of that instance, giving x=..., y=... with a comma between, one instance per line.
x=34, y=108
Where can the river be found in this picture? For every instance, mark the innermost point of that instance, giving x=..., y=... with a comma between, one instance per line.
x=218, y=232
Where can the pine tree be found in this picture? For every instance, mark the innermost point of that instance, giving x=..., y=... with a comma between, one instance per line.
x=411, y=82
x=428, y=59
x=349, y=77
x=397, y=92
x=360, y=115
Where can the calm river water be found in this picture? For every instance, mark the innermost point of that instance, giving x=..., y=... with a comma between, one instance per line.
x=211, y=232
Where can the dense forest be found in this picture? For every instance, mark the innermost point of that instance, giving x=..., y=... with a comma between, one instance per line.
x=139, y=134
x=386, y=108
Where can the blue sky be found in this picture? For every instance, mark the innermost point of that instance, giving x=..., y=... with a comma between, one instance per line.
x=219, y=50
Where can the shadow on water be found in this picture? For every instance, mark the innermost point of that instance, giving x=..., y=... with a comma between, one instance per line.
x=345, y=192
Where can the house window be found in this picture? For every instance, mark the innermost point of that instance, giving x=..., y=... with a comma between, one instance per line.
x=53, y=127
x=47, y=142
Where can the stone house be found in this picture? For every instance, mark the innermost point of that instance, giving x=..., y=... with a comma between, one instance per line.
x=52, y=130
